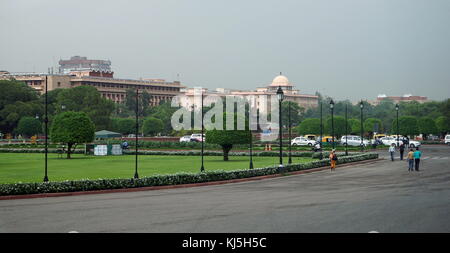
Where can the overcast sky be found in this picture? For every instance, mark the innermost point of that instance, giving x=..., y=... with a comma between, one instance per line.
x=347, y=49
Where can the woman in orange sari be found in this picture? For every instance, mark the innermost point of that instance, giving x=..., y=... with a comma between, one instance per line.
x=333, y=159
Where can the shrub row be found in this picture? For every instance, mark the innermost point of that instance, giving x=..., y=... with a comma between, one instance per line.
x=159, y=180
x=36, y=150
x=162, y=152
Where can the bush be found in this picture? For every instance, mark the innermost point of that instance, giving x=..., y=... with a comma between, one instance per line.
x=175, y=179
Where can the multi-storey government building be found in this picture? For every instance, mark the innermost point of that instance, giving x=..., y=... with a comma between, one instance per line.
x=79, y=71
x=111, y=88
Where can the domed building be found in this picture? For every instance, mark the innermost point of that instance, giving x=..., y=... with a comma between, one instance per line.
x=261, y=94
x=290, y=93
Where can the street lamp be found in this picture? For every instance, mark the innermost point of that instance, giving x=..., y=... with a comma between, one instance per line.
x=346, y=130
x=46, y=130
x=280, y=96
x=332, y=121
x=321, y=133
x=361, y=105
x=251, y=150
x=203, y=139
x=136, y=175
x=396, y=108
x=290, y=126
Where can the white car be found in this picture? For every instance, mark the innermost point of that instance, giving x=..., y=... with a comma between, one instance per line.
x=447, y=139
x=302, y=141
x=186, y=138
x=389, y=140
x=353, y=140
x=197, y=137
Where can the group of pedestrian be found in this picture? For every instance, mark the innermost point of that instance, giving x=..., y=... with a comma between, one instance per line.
x=413, y=157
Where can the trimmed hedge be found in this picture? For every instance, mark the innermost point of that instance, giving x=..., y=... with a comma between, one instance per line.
x=159, y=180
x=162, y=152
x=36, y=150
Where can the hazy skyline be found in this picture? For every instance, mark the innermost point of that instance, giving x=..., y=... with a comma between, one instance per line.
x=348, y=49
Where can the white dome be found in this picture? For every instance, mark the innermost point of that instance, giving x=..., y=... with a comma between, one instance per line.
x=280, y=81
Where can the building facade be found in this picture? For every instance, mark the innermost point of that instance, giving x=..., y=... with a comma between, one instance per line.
x=261, y=95
x=76, y=63
x=110, y=88
x=398, y=99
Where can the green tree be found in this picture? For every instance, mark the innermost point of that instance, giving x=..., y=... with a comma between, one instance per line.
x=309, y=126
x=445, y=110
x=152, y=126
x=29, y=126
x=339, y=126
x=123, y=125
x=372, y=125
x=227, y=138
x=407, y=126
x=164, y=112
x=442, y=125
x=296, y=113
x=355, y=126
x=86, y=99
x=72, y=128
x=16, y=101
x=427, y=126
x=143, y=101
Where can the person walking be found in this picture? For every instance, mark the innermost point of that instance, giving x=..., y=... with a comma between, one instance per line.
x=417, y=155
x=392, y=151
x=410, y=158
x=402, y=150
x=333, y=159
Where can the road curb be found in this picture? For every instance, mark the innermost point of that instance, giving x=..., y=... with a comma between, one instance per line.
x=165, y=187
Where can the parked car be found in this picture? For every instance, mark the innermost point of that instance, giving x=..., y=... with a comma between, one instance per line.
x=447, y=139
x=197, y=137
x=302, y=141
x=186, y=138
x=310, y=136
x=353, y=140
x=389, y=140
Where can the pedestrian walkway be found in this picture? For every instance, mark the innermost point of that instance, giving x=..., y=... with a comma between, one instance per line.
x=423, y=158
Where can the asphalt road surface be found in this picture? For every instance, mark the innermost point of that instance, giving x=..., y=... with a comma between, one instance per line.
x=381, y=196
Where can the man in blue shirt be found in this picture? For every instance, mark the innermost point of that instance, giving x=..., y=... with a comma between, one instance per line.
x=417, y=155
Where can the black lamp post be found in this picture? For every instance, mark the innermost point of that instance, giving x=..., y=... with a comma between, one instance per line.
x=332, y=121
x=203, y=139
x=46, y=130
x=321, y=133
x=280, y=96
x=361, y=105
x=396, y=108
x=251, y=150
x=346, y=130
x=290, y=137
x=136, y=175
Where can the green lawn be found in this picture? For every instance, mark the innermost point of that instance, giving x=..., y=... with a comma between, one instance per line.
x=29, y=167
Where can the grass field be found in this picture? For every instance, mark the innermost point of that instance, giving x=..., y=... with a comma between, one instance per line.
x=27, y=167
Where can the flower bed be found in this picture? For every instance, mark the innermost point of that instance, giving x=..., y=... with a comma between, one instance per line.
x=159, y=180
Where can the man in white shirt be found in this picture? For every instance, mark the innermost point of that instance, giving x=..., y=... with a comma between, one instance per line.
x=392, y=151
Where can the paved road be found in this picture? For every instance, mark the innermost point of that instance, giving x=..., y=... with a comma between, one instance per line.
x=382, y=196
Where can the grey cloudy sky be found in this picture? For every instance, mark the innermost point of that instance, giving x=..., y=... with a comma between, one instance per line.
x=342, y=48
